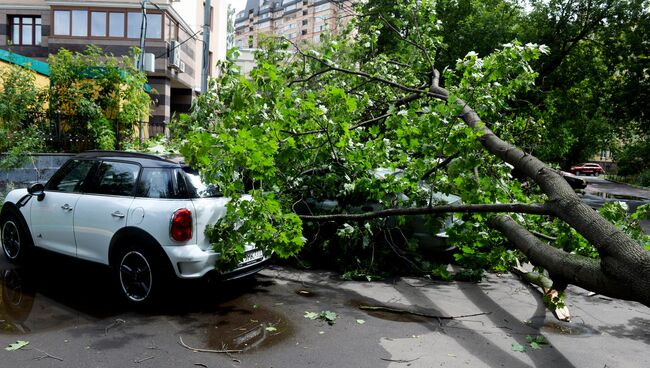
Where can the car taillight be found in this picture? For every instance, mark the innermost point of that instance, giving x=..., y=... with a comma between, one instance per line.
x=181, y=227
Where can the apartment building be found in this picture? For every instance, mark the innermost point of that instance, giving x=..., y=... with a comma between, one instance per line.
x=296, y=20
x=38, y=28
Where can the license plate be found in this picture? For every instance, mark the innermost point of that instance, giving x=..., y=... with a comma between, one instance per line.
x=251, y=256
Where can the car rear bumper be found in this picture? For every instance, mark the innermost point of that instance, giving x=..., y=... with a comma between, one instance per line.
x=191, y=262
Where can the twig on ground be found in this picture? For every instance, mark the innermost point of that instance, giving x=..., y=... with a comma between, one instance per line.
x=183, y=344
x=47, y=355
x=201, y=365
x=399, y=360
x=143, y=359
x=404, y=311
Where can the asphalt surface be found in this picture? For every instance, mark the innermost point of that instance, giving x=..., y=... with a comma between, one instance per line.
x=66, y=310
x=599, y=191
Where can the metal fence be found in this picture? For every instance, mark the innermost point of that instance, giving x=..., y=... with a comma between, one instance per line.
x=69, y=133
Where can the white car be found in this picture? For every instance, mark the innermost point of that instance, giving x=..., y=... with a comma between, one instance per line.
x=142, y=215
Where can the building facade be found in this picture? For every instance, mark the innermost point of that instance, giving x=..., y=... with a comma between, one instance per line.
x=38, y=28
x=296, y=20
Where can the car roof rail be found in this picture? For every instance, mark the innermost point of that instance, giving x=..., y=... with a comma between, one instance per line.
x=108, y=153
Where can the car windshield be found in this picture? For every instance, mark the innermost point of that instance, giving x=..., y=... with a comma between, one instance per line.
x=201, y=189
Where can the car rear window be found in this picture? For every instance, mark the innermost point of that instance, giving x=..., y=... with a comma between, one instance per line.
x=162, y=183
x=198, y=188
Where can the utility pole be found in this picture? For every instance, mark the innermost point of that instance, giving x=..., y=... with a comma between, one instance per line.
x=143, y=32
x=143, y=35
x=206, y=46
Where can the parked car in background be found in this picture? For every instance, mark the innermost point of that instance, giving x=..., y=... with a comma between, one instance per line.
x=142, y=215
x=587, y=169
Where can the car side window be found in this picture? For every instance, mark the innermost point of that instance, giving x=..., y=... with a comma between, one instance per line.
x=70, y=177
x=115, y=178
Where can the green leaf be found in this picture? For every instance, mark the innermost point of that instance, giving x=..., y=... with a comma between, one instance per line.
x=330, y=317
x=17, y=345
x=518, y=347
x=360, y=321
x=535, y=345
x=311, y=315
x=271, y=329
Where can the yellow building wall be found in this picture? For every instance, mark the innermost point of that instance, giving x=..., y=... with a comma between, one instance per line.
x=41, y=81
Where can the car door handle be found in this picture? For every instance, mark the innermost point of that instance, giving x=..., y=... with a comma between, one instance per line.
x=117, y=214
x=66, y=207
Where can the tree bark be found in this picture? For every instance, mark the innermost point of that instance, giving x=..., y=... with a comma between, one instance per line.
x=622, y=259
x=533, y=209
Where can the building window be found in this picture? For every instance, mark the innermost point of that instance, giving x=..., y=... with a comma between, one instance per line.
x=264, y=25
x=116, y=25
x=304, y=22
x=62, y=23
x=171, y=30
x=79, y=20
x=25, y=30
x=81, y=23
x=322, y=7
x=304, y=12
x=98, y=24
x=250, y=41
x=304, y=32
x=134, y=24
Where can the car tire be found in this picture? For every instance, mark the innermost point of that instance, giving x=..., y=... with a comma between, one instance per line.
x=141, y=274
x=16, y=242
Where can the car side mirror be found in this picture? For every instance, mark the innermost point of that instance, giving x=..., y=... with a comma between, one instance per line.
x=38, y=190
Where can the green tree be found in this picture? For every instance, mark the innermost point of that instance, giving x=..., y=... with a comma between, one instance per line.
x=22, y=109
x=314, y=124
x=98, y=94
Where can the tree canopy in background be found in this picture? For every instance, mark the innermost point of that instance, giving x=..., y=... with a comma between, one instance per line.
x=97, y=93
x=314, y=123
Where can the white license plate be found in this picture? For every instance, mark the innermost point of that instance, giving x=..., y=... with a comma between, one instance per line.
x=251, y=256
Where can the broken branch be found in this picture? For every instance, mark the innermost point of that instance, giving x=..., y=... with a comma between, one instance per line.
x=47, y=355
x=534, y=209
x=183, y=344
x=380, y=308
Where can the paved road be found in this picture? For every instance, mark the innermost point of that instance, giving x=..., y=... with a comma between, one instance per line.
x=66, y=311
x=602, y=186
x=599, y=191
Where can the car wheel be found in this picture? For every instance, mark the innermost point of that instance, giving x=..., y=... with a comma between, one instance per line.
x=16, y=243
x=140, y=274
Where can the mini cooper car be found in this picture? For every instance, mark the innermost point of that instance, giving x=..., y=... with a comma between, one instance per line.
x=142, y=215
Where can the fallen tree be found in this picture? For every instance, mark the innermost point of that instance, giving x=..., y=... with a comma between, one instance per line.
x=312, y=123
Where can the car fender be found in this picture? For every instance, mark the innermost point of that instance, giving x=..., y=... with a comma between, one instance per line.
x=130, y=234
x=10, y=207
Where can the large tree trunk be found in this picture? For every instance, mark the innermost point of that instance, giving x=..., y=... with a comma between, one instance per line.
x=624, y=269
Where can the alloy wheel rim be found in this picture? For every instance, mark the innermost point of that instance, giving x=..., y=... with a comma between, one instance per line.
x=135, y=276
x=10, y=239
